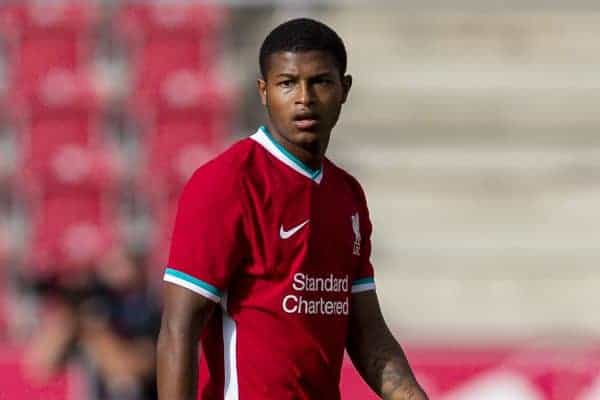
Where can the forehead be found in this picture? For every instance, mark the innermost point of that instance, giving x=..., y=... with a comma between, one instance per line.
x=301, y=63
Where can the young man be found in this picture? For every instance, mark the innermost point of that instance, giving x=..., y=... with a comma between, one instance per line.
x=269, y=262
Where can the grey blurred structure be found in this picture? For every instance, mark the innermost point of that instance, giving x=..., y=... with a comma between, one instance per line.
x=476, y=133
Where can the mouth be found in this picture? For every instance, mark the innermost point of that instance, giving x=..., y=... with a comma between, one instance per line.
x=305, y=121
x=305, y=124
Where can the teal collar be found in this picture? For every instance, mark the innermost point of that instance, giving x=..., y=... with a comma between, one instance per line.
x=264, y=137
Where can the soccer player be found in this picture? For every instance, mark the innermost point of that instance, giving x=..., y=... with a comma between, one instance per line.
x=269, y=263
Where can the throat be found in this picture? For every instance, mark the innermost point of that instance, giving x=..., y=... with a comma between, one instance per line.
x=310, y=153
x=310, y=156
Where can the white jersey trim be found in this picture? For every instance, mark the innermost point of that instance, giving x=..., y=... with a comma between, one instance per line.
x=230, y=389
x=192, y=287
x=363, y=287
x=275, y=149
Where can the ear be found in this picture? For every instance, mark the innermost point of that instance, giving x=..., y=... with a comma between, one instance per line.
x=346, y=85
x=261, y=85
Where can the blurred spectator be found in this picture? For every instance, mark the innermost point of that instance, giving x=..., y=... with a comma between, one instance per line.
x=105, y=319
x=119, y=325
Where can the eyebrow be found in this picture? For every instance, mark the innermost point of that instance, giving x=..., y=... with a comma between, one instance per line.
x=322, y=75
x=290, y=75
x=286, y=75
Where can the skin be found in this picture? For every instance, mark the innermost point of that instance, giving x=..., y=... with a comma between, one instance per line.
x=376, y=354
x=184, y=316
x=305, y=84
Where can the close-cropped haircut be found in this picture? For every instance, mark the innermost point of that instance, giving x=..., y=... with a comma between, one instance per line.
x=303, y=34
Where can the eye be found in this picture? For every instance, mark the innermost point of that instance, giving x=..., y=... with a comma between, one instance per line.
x=323, y=81
x=285, y=84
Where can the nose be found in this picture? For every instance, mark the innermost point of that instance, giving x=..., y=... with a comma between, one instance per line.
x=305, y=94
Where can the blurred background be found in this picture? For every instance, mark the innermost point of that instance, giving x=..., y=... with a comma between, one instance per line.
x=473, y=127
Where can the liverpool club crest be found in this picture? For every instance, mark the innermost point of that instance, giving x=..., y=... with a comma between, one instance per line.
x=356, y=229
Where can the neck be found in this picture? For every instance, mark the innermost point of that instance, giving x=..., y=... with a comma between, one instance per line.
x=312, y=158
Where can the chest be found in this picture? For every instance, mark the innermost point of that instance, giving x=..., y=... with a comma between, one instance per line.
x=308, y=227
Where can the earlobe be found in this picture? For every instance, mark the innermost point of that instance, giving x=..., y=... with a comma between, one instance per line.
x=262, y=91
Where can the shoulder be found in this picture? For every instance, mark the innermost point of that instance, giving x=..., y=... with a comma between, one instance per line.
x=226, y=168
x=220, y=178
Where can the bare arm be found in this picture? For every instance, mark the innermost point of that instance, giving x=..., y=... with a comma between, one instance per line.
x=376, y=354
x=117, y=359
x=50, y=344
x=184, y=315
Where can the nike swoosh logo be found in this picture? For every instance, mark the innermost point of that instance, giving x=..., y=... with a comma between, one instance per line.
x=288, y=234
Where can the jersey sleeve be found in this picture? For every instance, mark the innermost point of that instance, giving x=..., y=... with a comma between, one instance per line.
x=208, y=242
x=364, y=278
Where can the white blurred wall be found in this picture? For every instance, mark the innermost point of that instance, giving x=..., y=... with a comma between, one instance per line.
x=476, y=134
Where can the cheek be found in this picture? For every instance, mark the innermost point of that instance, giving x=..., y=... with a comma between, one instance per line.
x=276, y=101
x=333, y=102
x=331, y=97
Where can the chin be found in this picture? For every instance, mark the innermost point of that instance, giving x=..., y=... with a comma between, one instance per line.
x=309, y=140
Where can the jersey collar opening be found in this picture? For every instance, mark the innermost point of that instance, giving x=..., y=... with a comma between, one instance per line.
x=264, y=138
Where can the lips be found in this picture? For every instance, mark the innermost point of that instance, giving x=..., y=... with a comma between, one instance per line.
x=304, y=124
x=306, y=121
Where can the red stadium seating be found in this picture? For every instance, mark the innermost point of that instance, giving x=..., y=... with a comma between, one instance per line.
x=17, y=382
x=187, y=128
x=60, y=140
x=71, y=229
x=186, y=93
x=4, y=321
x=68, y=174
x=43, y=36
x=168, y=36
x=184, y=127
x=161, y=238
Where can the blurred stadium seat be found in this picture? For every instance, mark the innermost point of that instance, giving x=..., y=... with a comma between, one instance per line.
x=62, y=150
x=59, y=135
x=43, y=36
x=17, y=382
x=187, y=127
x=165, y=37
x=71, y=229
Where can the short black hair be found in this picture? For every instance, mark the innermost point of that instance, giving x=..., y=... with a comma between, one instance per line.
x=303, y=34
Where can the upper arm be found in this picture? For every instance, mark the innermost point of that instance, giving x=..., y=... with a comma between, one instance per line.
x=366, y=321
x=184, y=311
x=184, y=316
x=209, y=242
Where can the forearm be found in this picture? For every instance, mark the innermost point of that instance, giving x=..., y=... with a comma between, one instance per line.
x=377, y=355
x=397, y=380
x=177, y=366
x=384, y=367
x=120, y=357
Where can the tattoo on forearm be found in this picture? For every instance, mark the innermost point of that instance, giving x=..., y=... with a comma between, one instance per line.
x=387, y=370
x=398, y=382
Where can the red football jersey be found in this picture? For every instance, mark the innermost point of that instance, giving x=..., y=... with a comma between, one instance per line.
x=281, y=248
